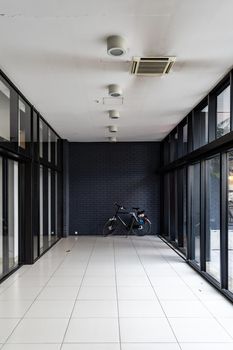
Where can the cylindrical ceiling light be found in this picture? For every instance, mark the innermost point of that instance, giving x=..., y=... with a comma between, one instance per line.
x=113, y=114
x=112, y=139
x=113, y=128
x=116, y=45
x=114, y=90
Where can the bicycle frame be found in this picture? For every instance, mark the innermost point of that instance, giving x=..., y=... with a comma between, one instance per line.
x=127, y=226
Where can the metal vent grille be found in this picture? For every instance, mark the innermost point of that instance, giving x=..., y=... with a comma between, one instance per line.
x=152, y=66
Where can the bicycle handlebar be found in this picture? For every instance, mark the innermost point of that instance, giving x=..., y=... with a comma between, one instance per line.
x=120, y=206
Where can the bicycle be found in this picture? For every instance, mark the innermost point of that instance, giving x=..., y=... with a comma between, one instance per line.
x=138, y=223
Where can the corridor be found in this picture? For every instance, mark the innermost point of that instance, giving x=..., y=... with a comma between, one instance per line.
x=94, y=293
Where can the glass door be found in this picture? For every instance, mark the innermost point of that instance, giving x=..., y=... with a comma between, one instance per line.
x=195, y=217
x=230, y=221
x=212, y=239
x=13, y=213
x=1, y=216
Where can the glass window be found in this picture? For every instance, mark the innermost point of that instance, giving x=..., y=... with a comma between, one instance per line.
x=185, y=138
x=56, y=204
x=1, y=219
x=230, y=221
x=200, y=128
x=205, y=123
x=56, y=149
x=4, y=111
x=166, y=209
x=173, y=146
x=49, y=207
x=181, y=208
x=213, y=217
x=41, y=210
x=184, y=196
x=195, y=211
x=49, y=145
x=13, y=213
x=35, y=134
x=223, y=112
x=24, y=120
x=45, y=145
x=41, y=137
x=173, y=207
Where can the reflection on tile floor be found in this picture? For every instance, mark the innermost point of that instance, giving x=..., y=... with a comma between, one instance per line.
x=113, y=293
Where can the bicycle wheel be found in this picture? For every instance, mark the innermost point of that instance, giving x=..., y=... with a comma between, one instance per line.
x=109, y=227
x=144, y=229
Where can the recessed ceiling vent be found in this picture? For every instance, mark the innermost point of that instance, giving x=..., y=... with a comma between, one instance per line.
x=152, y=66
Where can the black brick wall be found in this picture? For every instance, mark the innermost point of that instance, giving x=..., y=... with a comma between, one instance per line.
x=103, y=173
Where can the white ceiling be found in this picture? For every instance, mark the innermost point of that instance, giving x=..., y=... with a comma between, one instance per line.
x=55, y=52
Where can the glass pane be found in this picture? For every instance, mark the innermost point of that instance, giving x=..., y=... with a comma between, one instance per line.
x=223, y=112
x=184, y=195
x=230, y=221
x=56, y=145
x=41, y=137
x=4, y=111
x=44, y=147
x=56, y=204
x=49, y=145
x=200, y=128
x=49, y=206
x=24, y=120
x=13, y=213
x=204, y=116
x=166, y=218
x=195, y=215
x=213, y=217
x=1, y=220
x=185, y=138
x=41, y=209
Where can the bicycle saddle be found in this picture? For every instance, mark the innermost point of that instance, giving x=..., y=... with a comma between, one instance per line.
x=136, y=208
x=141, y=212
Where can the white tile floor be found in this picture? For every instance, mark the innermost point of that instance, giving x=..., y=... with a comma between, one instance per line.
x=113, y=293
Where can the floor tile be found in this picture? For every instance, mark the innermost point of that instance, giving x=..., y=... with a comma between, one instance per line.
x=184, y=308
x=153, y=346
x=58, y=293
x=227, y=324
x=135, y=293
x=65, y=281
x=97, y=293
x=92, y=330
x=207, y=346
x=49, y=295
x=95, y=281
x=39, y=331
x=14, y=308
x=20, y=293
x=140, y=308
x=91, y=347
x=146, y=330
x=50, y=309
x=95, y=308
x=6, y=328
x=199, y=330
x=133, y=281
x=174, y=293
x=221, y=309
x=31, y=347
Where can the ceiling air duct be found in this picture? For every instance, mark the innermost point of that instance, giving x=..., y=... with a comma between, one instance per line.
x=152, y=66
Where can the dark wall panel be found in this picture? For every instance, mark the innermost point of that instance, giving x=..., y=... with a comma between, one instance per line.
x=103, y=173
